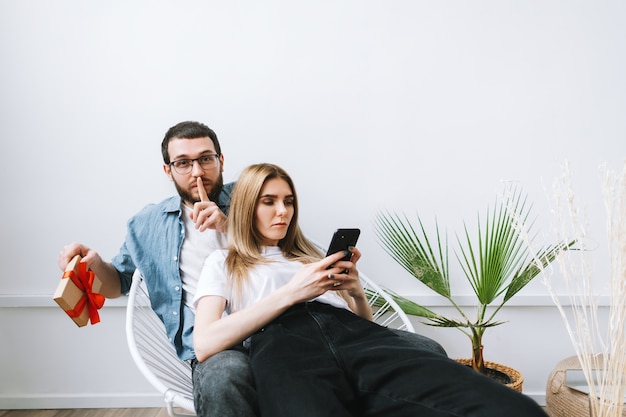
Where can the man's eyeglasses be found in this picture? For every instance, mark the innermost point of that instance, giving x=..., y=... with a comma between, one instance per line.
x=185, y=166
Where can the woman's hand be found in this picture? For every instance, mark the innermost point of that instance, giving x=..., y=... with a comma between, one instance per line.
x=347, y=279
x=345, y=275
x=314, y=279
x=331, y=274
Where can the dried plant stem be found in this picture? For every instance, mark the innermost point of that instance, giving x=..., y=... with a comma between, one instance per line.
x=601, y=351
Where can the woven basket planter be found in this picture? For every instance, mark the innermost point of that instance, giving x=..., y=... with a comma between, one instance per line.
x=516, y=376
x=563, y=401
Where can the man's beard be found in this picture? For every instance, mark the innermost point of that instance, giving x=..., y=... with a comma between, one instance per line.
x=213, y=196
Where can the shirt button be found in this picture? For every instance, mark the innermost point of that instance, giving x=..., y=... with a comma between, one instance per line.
x=177, y=288
x=175, y=258
x=175, y=313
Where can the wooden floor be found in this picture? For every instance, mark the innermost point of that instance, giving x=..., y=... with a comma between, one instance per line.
x=88, y=412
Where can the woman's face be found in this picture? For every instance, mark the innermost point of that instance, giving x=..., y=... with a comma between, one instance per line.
x=274, y=210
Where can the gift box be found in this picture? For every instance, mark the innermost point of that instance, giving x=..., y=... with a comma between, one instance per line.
x=78, y=293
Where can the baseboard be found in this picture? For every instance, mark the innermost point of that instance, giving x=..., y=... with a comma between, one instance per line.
x=66, y=401
x=60, y=401
x=46, y=301
x=428, y=300
x=539, y=397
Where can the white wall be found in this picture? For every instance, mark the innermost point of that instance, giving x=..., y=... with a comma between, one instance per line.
x=405, y=105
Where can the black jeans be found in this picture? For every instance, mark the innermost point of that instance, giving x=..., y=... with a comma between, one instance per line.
x=317, y=360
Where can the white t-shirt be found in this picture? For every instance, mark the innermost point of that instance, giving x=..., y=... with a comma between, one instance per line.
x=197, y=246
x=262, y=280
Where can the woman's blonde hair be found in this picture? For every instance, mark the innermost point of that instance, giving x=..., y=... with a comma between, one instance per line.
x=245, y=249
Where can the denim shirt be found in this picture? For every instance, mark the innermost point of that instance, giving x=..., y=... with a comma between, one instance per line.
x=153, y=242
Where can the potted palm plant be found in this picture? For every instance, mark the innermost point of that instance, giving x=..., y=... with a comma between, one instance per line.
x=498, y=263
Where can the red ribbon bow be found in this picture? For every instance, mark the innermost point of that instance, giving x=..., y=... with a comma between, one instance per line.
x=93, y=300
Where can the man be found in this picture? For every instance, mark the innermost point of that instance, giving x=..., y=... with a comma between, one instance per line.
x=168, y=243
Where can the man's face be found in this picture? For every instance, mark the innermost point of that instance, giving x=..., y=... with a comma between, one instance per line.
x=186, y=183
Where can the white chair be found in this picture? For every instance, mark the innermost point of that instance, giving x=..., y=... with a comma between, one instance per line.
x=156, y=358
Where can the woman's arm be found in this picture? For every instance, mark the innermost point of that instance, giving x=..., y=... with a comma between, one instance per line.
x=214, y=333
x=361, y=307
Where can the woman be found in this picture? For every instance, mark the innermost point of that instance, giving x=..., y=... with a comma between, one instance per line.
x=313, y=348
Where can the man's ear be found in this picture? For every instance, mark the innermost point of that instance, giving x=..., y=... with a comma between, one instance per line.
x=168, y=171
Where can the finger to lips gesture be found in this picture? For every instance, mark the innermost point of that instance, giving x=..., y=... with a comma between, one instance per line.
x=206, y=214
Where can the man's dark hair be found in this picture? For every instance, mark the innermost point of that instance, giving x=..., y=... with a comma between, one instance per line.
x=188, y=130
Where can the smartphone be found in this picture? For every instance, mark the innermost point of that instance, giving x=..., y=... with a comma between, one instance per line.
x=342, y=239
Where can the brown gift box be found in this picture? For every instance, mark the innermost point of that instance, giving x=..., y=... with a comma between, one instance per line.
x=68, y=295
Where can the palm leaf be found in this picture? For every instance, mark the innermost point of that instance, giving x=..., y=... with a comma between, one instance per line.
x=532, y=269
x=490, y=261
x=412, y=308
x=414, y=252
